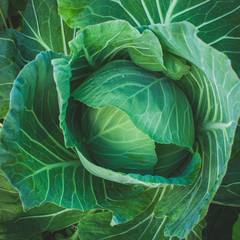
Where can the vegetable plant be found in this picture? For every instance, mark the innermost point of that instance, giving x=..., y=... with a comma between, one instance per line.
x=120, y=120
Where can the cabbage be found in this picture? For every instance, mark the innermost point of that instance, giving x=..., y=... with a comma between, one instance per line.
x=121, y=121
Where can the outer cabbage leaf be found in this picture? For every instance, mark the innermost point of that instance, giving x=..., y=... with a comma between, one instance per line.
x=146, y=226
x=43, y=29
x=229, y=192
x=33, y=223
x=10, y=204
x=17, y=224
x=218, y=21
x=10, y=65
x=212, y=89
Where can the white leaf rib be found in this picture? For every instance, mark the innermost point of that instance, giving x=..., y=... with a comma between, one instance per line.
x=147, y=12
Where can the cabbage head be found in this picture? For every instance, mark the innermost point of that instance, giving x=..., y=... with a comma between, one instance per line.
x=121, y=119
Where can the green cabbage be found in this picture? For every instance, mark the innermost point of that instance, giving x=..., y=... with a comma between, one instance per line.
x=121, y=119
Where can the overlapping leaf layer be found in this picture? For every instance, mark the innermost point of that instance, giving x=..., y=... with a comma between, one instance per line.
x=126, y=131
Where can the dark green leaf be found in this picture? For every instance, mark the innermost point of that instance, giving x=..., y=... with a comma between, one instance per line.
x=220, y=221
x=229, y=192
x=10, y=65
x=34, y=223
x=17, y=48
x=3, y=13
x=10, y=204
x=16, y=5
x=43, y=29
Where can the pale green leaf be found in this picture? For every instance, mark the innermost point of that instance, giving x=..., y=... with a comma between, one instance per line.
x=114, y=142
x=102, y=43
